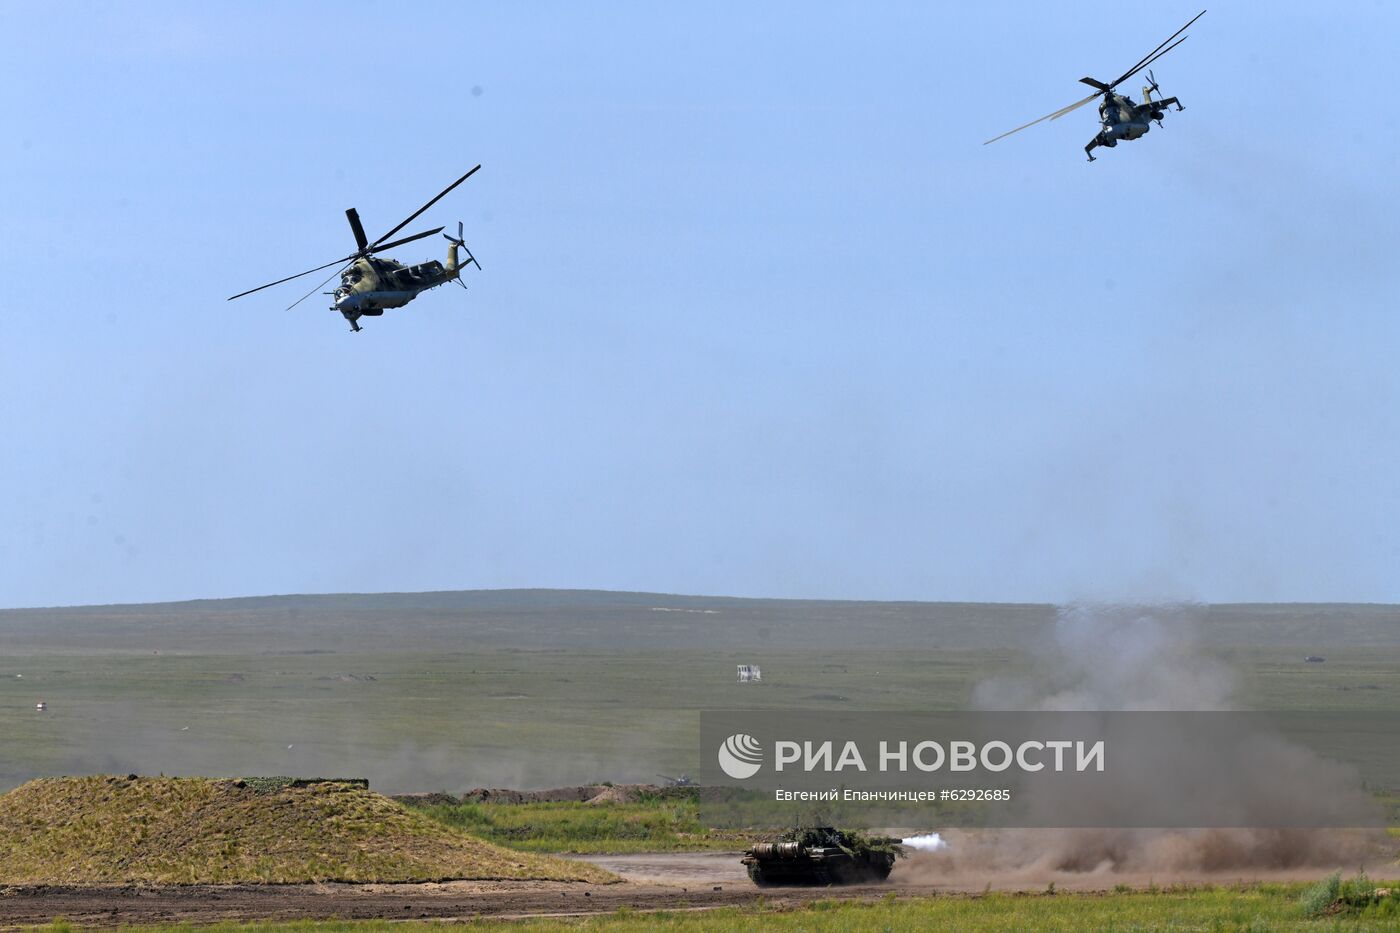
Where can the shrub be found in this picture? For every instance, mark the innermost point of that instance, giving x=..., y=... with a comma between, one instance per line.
x=1318, y=899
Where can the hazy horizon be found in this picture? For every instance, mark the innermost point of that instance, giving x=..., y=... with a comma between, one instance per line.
x=737, y=597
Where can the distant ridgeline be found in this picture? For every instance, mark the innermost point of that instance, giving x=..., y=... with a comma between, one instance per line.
x=603, y=621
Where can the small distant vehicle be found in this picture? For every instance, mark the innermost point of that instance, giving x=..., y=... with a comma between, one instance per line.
x=369, y=284
x=1119, y=117
x=1314, y=659
x=822, y=855
x=41, y=706
x=681, y=780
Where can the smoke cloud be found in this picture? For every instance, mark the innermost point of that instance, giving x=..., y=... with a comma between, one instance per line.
x=1099, y=657
x=1105, y=658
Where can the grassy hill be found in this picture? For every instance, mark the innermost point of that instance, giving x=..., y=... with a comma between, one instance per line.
x=196, y=830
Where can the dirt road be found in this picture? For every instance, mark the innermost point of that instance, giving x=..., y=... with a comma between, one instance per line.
x=459, y=900
x=666, y=881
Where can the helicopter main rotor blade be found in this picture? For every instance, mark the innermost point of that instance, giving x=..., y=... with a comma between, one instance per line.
x=1074, y=106
x=1049, y=116
x=297, y=276
x=412, y=217
x=356, y=228
x=408, y=239
x=317, y=288
x=1142, y=62
x=1153, y=59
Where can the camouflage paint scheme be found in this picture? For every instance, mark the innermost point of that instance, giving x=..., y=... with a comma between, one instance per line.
x=370, y=284
x=1123, y=119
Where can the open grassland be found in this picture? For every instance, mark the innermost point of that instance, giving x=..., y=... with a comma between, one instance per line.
x=415, y=721
x=449, y=691
x=197, y=831
x=1208, y=910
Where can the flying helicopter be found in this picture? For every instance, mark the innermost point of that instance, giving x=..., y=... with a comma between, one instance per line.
x=1119, y=117
x=370, y=283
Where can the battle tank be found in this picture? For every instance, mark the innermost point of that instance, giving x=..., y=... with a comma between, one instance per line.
x=822, y=855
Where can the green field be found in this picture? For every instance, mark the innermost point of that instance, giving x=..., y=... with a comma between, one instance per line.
x=425, y=692
x=507, y=718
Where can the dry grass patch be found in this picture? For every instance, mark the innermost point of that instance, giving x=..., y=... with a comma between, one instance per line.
x=203, y=831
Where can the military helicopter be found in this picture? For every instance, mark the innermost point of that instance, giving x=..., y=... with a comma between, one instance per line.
x=369, y=283
x=1119, y=117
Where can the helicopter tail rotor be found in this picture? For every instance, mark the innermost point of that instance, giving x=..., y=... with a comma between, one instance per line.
x=458, y=242
x=1151, y=88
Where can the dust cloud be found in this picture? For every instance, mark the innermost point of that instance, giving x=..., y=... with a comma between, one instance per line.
x=1109, y=658
x=1098, y=657
x=1015, y=858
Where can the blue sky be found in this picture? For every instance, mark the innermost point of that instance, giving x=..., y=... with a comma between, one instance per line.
x=760, y=315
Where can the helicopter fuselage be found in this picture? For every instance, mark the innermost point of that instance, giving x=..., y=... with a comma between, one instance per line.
x=1123, y=119
x=370, y=284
